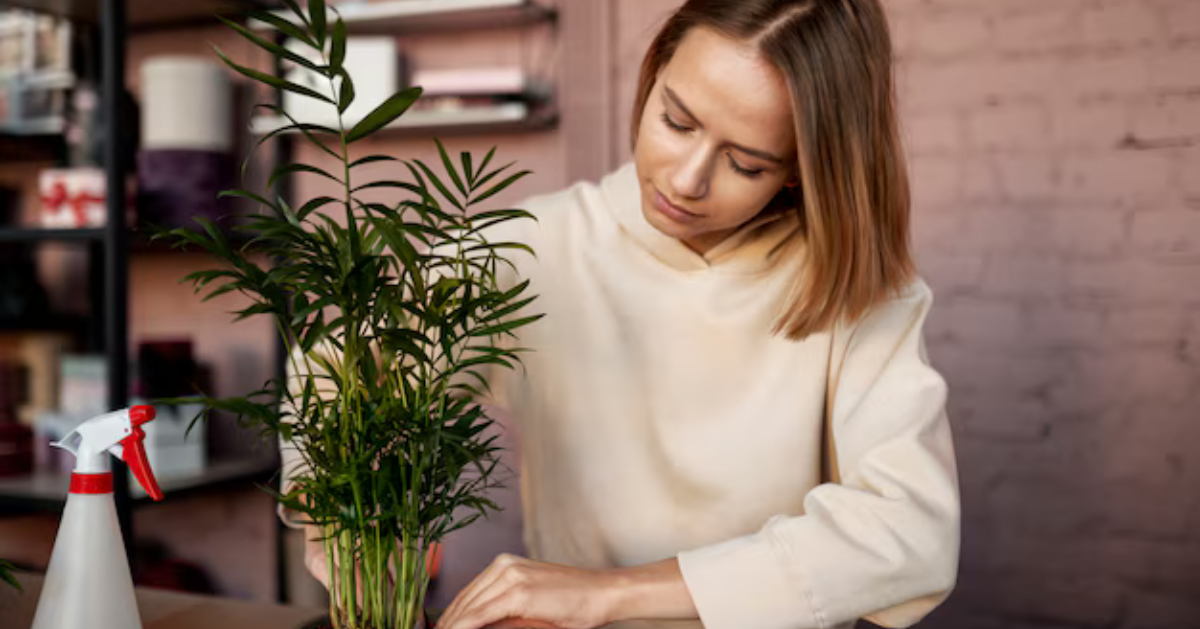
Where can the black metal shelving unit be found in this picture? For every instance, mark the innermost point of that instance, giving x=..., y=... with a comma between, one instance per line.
x=109, y=247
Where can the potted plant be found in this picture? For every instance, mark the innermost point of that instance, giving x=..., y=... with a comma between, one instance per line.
x=391, y=313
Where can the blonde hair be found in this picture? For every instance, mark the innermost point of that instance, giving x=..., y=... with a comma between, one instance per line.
x=853, y=196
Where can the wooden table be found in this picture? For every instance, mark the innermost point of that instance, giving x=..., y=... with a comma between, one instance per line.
x=161, y=609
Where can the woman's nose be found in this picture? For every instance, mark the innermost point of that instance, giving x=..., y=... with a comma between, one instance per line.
x=691, y=177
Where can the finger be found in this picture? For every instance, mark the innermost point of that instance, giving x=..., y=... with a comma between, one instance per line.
x=314, y=562
x=522, y=623
x=469, y=594
x=501, y=606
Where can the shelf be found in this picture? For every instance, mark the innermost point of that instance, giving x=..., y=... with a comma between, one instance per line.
x=47, y=489
x=508, y=118
x=420, y=17
x=30, y=147
x=37, y=234
x=145, y=14
x=71, y=324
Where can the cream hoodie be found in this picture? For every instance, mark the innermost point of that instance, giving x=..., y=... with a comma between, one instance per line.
x=658, y=417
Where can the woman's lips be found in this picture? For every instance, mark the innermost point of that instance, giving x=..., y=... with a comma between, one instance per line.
x=673, y=211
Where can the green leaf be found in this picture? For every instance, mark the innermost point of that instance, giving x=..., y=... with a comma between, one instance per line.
x=465, y=158
x=346, y=92
x=437, y=183
x=508, y=326
x=373, y=158
x=500, y=187
x=384, y=114
x=337, y=49
x=290, y=169
x=295, y=8
x=286, y=27
x=313, y=205
x=307, y=129
x=486, y=160
x=272, y=80
x=316, y=15
x=272, y=47
x=450, y=167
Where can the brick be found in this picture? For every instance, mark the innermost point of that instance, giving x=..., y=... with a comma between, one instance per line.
x=980, y=180
x=933, y=229
x=942, y=86
x=1174, y=118
x=985, y=323
x=994, y=231
x=1091, y=125
x=1182, y=18
x=1048, y=508
x=1174, y=234
x=1007, y=420
x=1131, y=281
x=1176, y=69
x=1064, y=558
x=1146, y=326
x=1025, y=77
x=951, y=275
x=1055, y=326
x=1152, y=610
x=1154, y=565
x=1153, y=376
x=951, y=34
x=1027, y=599
x=1121, y=179
x=1125, y=23
x=901, y=27
x=1109, y=74
x=1188, y=173
x=935, y=182
x=1038, y=32
x=1025, y=277
x=1031, y=178
x=1085, y=233
x=1003, y=375
x=933, y=134
x=1140, y=508
x=1013, y=127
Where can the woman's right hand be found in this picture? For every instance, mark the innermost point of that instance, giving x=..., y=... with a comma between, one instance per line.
x=314, y=555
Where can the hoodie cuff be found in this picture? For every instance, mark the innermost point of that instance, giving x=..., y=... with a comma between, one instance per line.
x=745, y=582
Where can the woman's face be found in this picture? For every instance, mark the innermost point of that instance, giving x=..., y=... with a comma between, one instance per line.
x=715, y=143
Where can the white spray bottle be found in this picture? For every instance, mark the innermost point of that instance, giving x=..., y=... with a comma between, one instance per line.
x=88, y=584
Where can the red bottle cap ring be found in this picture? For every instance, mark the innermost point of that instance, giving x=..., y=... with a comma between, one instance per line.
x=92, y=483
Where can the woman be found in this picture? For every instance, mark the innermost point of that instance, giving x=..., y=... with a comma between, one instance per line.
x=729, y=419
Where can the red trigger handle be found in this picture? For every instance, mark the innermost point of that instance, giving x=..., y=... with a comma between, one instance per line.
x=134, y=453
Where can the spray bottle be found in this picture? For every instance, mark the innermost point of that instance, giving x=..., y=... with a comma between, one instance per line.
x=88, y=584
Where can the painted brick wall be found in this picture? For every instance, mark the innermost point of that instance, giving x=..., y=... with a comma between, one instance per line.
x=1055, y=152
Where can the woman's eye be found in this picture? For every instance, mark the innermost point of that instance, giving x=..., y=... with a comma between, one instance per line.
x=746, y=172
x=673, y=125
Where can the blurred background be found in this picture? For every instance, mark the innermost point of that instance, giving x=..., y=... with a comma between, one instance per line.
x=1054, y=149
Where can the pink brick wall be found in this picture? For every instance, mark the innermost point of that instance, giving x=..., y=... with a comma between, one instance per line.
x=1055, y=153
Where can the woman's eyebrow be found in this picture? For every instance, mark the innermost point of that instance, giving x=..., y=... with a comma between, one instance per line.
x=749, y=151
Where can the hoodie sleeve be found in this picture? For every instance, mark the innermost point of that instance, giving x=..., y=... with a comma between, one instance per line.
x=882, y=543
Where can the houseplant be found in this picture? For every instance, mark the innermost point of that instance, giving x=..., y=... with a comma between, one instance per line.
x=392, y=314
